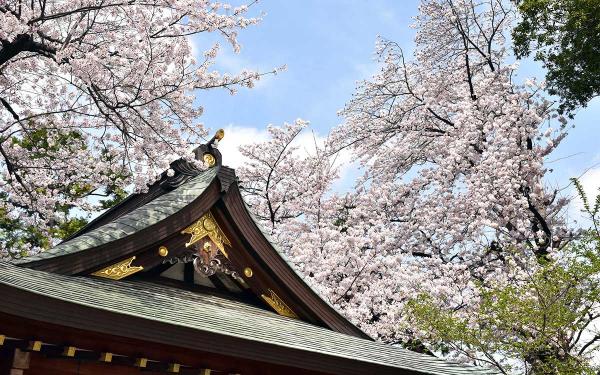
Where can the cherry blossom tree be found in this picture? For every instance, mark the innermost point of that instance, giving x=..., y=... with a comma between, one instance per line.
x=453, y=200
x=285, y=181
x=96, y=96
x=453, y=150
x=287, y=184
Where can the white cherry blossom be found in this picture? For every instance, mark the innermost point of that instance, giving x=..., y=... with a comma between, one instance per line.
x=101, y=94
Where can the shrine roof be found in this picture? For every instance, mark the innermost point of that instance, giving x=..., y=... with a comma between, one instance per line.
x=62, y=285
x=126, y=307
x=134, y=229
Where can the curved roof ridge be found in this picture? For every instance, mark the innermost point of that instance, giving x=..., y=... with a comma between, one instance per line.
x=134, y=221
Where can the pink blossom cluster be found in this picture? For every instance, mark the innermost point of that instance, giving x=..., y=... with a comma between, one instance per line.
x=453, y=192
x=96, y=94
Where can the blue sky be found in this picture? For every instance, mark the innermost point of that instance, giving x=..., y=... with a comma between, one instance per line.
x=328, y=46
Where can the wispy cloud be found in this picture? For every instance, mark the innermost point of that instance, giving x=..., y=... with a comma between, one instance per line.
x=236, y=136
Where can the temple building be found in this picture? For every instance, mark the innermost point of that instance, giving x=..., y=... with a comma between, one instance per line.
x=181, y=279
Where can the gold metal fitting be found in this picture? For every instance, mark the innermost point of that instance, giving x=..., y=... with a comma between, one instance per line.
x=248, y=272
x=35, y=346
x=209, y=160
x=219, y=134
x=69, y=351
x=163, y=251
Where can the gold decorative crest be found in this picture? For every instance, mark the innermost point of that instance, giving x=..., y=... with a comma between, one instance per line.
x=119, y=270
x=207, y=226
x=209, y=160
x=278, y=305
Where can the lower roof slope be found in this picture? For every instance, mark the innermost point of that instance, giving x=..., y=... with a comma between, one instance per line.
x=255, y=330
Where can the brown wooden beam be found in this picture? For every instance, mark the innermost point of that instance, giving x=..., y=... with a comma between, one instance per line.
x=22, y=350
x=19, y=326
x=57, y=356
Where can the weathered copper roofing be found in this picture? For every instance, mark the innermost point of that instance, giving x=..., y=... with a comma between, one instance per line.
x=330, y=344
x=190, y=313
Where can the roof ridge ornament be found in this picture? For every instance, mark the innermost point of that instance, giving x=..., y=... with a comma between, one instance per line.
x=209, y=153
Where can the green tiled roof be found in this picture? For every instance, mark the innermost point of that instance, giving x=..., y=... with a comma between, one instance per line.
x=213, y=314
x=138, y=219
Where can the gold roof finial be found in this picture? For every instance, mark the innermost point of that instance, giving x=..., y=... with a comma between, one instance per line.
x=219, y=134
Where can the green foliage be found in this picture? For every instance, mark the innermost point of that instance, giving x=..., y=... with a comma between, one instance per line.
x=532, y=325
x=565, y=36
x=594, y=211
x=37, y=142
x=68, y=227
x=539, y=323
x=114, y=196
x=16, y=239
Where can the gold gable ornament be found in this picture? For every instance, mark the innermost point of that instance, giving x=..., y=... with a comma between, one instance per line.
x=278, y=305
x=119, y=270
x=207, y=226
